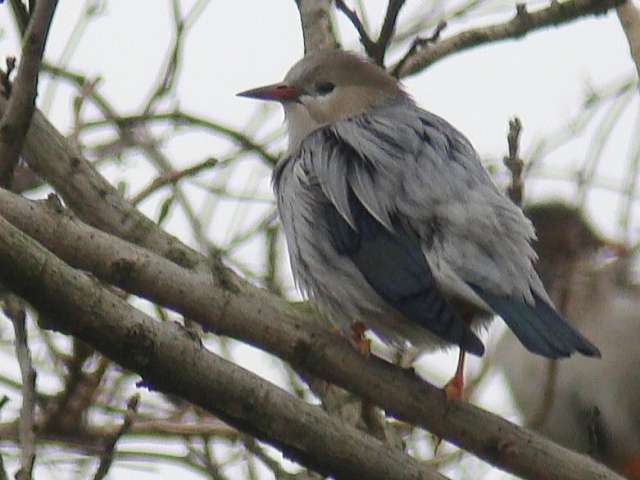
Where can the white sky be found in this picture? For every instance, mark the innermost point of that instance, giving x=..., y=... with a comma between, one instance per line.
x=237, y=45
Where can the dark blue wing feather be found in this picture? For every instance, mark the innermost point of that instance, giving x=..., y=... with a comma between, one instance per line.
x=539, y=327
x=394, y=265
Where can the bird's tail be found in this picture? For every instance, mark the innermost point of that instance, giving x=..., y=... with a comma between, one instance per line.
x=539, y=327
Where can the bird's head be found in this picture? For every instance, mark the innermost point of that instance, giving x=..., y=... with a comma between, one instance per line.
x=327, y=86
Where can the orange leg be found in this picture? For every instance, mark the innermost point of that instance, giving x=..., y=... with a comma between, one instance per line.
x=453, y=390
x=455, y=387
x=358, y=340
x=631, y=468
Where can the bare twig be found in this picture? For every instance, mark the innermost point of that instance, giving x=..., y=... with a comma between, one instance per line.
x=513, y=161
x=14, y=309
x=17, y=117
x=388, y=27
x=180, y=118
x=21, y=14
x=106, y=459
x=173, y=178
x=540, y=415
x=375, y=50
x=417, y=44
x=172, y=64
x=91, y=439
x=556, y=13
x=3, y=471
x=352, y=15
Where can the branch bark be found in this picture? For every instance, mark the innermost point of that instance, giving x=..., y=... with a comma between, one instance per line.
x=256, y=317
x=629, y=16
x=169, y=359
x=524, y=22
x=317, y=27
x=15, y=120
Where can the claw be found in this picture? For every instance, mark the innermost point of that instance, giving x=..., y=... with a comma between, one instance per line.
x=358, y=340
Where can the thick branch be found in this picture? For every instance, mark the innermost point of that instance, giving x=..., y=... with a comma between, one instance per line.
x=172, y=361
x=263, y=320
x=629, y=16
x=556, y=13
x=16, y=118
x=317, y=28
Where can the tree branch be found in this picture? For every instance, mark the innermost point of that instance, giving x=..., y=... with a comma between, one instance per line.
x=91, y=439
x=106, y=459
x=242, y=311
x=16, y=118
x=169, y=359
x=317, y=27
x=388, y=27
x=375, y=50
x=366, y=41
x=629, y=16
x=556, y=13
x=14, y=309
x=513, y=161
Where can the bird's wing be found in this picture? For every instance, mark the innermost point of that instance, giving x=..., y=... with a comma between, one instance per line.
x=386, y=251
x=411, y=167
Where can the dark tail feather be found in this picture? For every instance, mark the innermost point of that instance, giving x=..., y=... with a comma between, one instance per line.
x=539, y=328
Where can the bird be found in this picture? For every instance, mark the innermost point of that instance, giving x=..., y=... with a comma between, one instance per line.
x=393, y=224
x=591, y=407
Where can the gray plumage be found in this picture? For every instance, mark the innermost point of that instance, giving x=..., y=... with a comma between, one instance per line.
x=391, y=219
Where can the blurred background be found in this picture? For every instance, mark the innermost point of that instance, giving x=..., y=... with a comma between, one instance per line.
x=146, y=90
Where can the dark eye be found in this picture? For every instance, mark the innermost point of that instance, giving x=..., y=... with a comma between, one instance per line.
x=325, y=88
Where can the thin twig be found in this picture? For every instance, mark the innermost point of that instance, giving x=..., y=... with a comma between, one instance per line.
x=388, y=27
x=557, y=13
x=20, y=14
x=172, y=177
x=418, y=43
x=352, y=15
x=15, y=122
x=180, y=118
x=168, y=78
x=106, y=459
x=513, y=161
x=376, y=50
x=541, y=414
x=14, y=309
x=3, y=471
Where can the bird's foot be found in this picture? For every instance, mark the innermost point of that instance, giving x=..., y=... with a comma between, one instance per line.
x=454, y=389
x=631, y=468
x=358, y=340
